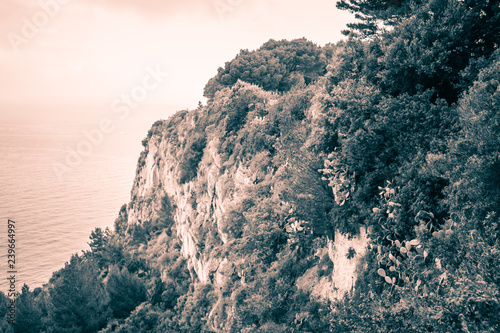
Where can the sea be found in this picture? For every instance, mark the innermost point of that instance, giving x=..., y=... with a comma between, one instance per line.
x=60, y=179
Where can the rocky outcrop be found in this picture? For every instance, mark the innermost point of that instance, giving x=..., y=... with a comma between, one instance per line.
x=202, y=203
x=337, y=271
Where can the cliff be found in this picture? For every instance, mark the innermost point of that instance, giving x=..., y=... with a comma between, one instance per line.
x=358, y=196
x=232, y=192
x=315, y=200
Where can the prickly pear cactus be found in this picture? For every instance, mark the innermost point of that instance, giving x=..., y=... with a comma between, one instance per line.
x=342, y=182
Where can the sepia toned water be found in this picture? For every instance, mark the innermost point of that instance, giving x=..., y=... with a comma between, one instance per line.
x=54, y=215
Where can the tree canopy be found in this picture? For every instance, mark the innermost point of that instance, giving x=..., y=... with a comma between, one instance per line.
x=275, y=66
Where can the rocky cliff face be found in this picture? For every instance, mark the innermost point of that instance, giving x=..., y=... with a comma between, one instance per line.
x=213, y=205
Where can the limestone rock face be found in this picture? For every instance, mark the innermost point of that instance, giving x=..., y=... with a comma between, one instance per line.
x=194, y=209
x=343, y=255
x=185, y=177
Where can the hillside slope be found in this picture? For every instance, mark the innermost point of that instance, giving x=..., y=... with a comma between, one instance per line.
x=238, y=202
x=353, y=187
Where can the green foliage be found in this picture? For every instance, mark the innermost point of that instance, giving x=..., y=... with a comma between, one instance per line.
x=144, y=318
x=370, y=13
x=99, y=240
x=121, y=221
x=138, y=233
x=191, y=157
x=176, y=284
x=28, y=313
x=404, y=129
x=4, y=324
x=476, y=154
x=232, y=224
x=275, y=66
x=79, y=302
x=125, y=291
x=193, y=309
x=430, y=50
x=155, y=130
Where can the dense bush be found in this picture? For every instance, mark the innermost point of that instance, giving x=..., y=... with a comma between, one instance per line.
x=78, y=300
x=125, y=291
x=275, y=66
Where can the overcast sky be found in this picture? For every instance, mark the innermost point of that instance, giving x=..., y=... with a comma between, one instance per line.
x=92, y=51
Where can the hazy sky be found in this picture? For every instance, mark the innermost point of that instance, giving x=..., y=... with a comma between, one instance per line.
x=93, y=51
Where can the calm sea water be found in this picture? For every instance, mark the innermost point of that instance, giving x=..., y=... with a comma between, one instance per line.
x=54, y=216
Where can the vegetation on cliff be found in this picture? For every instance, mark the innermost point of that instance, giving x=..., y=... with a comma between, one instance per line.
x=394, y=130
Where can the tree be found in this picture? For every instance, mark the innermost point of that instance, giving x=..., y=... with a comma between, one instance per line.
x=125, y=291
x=145, y=318
x=276, y=66
x=195, y=308
x=29, y=312
x=121, y=221
x=439, y=48
x=370, y=13
x=475, y=154
x=4, y=325
x=99, y=244
x=79, y=302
